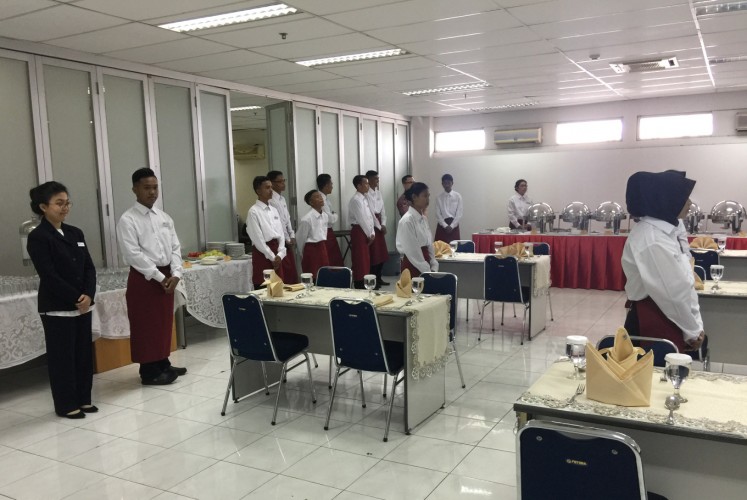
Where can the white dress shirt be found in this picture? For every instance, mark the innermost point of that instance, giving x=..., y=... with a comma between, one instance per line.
x=263, y=224
x=147, y=239
x=413, y=233
x=517, y=208
x=311, y=229
x=376, y=202
x=449, y=205
x=327, y=208
x=359, y=212
x=656, y=262
x=278, y=201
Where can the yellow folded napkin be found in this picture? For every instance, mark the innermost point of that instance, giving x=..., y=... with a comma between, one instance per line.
x=404, y=285
x=441, y=249
x=621, y=378
x=275, y=286
x=383, y=300
x=515, y=250
x=294, y=288
x=704, y=242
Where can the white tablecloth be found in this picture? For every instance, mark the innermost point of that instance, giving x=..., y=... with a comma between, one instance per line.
x=541, y=270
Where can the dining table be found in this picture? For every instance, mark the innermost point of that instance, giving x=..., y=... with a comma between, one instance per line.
x=724, y=313
x=735, y=264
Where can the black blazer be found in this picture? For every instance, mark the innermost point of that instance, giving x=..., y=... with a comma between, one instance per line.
x=64, y=266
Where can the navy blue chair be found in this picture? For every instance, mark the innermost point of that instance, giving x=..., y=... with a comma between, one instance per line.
x=446, y=284
x=700, y=272
x=600, y=459
x=660, y=347
x=250, y=339
x=705, y=259
x=465, y=246
x=502, y=283
x=334, y=277
x=542, y=248
x=358, y=345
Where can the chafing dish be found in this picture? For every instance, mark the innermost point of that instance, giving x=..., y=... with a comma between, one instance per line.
x=693, y=218
x=542, y=215
x=578, y=214
x=729, y=213
x=611, y=214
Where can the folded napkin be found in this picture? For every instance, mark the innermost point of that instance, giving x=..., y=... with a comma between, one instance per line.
x=294, y=288
x=404, y=285
x=274, y=286
x=704, y=242
x=441, y=248
x=515, y=250
x=621, y=377
x=383, y=300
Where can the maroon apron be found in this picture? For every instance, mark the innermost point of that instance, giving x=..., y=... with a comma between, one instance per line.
x=406, y=264
x=314, y=257
x=260, y=263
x=151, y=313
x=290, y=273
x=333, y=249
x=360, y=252
x=379, y=251
x=442, y=235
x=645, y=319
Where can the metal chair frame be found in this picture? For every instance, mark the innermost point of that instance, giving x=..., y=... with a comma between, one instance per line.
x=609, y=340
x=548, y=252
x=471, y=249
x=433, y=278
x=525, y=302
x=324, y=270
x=708, y=257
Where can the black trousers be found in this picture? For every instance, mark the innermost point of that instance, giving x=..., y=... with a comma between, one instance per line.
x=69, y=360
x=152, y=370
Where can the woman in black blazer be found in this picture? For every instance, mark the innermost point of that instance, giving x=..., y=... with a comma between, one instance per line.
x=66, y=289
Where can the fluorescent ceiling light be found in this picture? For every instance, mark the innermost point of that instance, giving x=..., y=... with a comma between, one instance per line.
x=353, y=57
x=246, y=108
x=242, y=16
x=445, y=90
x=709, y=8
x=513, y=105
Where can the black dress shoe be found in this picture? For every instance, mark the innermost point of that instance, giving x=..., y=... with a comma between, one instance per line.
x=164, y=378
x=89, y=409
x=73, y=415
x=383, y=283
x=179, y=371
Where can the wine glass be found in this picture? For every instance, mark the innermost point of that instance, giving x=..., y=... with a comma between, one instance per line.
x=267, y=274
x=721, y=242
x=717, y=272
x=369, y=281
x=575, y=349
x=453, y=245
x=529, y=249
x=677, y=370
x=308, y=280
x=417, y=287
x=497, y=246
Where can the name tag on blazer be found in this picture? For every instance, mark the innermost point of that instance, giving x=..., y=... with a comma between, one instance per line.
x=81, y=244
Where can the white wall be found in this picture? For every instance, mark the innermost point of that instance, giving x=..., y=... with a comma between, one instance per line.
x=246, y=169
x=559, y=175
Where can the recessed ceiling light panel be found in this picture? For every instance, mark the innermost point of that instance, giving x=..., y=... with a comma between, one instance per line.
x=446, y=90
x=710, y=8
x=242, y=16
x=246, y=108
x=363, y=56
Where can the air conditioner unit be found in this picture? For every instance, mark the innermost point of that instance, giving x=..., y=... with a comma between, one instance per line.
x=518, y=136
x=741, y=122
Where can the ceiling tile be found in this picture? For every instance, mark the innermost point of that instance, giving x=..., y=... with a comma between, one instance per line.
x=146, y=9
x=432, y=72
x=600, y=40
x=118, y=38
x=322, y=47
x=724, y=22
x=297, y=30
x=212, y=62
x=55, y=22
x=391, y=65
x=565, y=10
x=13, y=8
x=323, y=7
x=305, y=76
x=241, y=73
x=499, y=52
x=168, y=51
x=473, y=42
x=302, y=88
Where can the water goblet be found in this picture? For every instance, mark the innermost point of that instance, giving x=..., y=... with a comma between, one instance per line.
x=677, y=370
x=721, y=242
x=453, y=245
x=529, y=249
x=308, y=281
x=417, y=287
x=369, y=282
x=717, y=272
x=497, y=245
x=267, y=274
x=575, y=349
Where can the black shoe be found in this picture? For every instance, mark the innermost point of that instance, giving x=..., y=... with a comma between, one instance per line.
x=179, y=371
x=165, y=378
x=383, y=283
x=89, y=409
x=73, y=415
x=378, y=286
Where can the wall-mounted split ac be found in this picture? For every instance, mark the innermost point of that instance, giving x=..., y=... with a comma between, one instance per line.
x=518, y=136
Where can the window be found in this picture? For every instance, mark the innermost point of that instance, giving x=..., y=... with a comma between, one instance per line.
x=464, y=140
x=670, y=126
x=588, y=132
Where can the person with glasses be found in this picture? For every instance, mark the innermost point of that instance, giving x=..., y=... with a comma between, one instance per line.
x=518, y=206
x=67, y=286
x=290, y=272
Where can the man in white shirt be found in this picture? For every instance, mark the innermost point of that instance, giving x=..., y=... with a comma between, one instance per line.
x=325, y=185
x=379, y=250
x=449, y=211
x=518, y=206
x=149, y=245
x=362, y=234
x=414, y=239
x=402, y=204
x=312, y=235
x=290, y=273
x=265, y=229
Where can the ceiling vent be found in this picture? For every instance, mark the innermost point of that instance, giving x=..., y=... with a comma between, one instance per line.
x=647, y=65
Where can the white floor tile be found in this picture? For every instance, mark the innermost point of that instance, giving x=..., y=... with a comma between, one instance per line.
x=69, y=444
x=310, y=429
x=367, y=441
x=170, y=403
x=429, y=453
x=395, y=481
x=114, y=488
x=489, y=465
x=31, y=431
x=18, y=465
x=168, y=432
x=124, y=422
x=338, y=469
x=223, y=481
x=166, y=469
x=57, y=481
x=271, y=454
x=258, y=419
x=481, y=409
x=467, y=488
x=457, y=429
x=284, y=488
x=217, y=442
x=500, y=437
x=117, y=455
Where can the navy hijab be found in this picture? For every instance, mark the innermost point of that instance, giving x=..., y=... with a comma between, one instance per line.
x=659, y=195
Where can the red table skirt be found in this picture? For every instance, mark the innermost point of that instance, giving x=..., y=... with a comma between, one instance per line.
x=590, y=262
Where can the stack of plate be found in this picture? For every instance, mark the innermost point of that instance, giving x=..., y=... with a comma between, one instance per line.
x=216, y=245
x=234, y=250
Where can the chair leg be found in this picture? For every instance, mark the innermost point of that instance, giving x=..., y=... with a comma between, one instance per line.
x=467, y=310
x=332, y=399
x=363, y=394
x=549, y=301
x=228, y=389
x=311, y=380
x=313, y=356
x=503, y=312
x=264, y=377
x=514, y=305
x=492, y=313
x=391, y=405
x=459, y=365
x=329, y=385
x=280, y=389
x=482, y=317
x=523, y=325
x=384, y=393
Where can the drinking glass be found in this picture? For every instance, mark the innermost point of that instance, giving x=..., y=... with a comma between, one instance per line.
x=721, y=242
x=677, y=370
x=267, y=274
x=308, y=280
x=417, y=287
x=575, y=349
x=497, y=246
x=369, y=281
x=717, y=272
x=529, y=249
x=453, y=245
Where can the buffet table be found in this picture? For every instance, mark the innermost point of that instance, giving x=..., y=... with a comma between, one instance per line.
x=422, y=326
x=701, y=456
x=724, y=314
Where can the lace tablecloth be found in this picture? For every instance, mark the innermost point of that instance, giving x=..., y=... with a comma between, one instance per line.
x=726, y=289
x=541, y=269
x=429, y=322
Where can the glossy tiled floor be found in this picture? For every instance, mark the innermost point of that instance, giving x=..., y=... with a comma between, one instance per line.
x=171, y=442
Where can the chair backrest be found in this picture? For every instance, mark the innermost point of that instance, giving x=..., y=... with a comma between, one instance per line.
x=501, y=281
x=661, y=347
x=356, y=336
x=541, y=248
x=246, y=327
x=700, y=271
x=334, y=277
x=705, y=259
x=443, y=284
x=465, y=246
x=557, y=460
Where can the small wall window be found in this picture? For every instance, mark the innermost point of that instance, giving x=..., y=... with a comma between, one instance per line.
x=589, y=132
x=463, y=140
x=671, y=126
